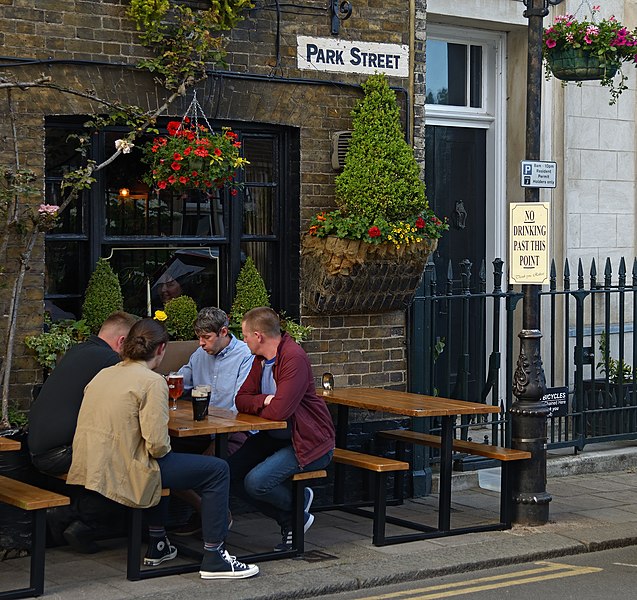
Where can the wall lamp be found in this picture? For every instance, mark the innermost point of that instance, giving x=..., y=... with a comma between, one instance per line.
x=340, y=12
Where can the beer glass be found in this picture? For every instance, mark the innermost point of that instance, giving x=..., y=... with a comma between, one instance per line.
x=175, y=388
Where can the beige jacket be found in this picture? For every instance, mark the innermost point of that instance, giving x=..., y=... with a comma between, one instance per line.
x=122, y=427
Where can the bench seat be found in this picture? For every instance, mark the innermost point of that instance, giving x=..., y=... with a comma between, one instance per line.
x=507, y=456
x=34, y=500
x=426, y=439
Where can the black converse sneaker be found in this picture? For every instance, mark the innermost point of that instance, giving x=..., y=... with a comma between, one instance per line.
x=158, y=551
x=218, y=564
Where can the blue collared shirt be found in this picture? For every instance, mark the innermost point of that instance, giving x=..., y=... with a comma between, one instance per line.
x=224, y=372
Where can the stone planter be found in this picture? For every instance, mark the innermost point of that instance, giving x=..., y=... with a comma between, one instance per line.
x=354, y=277
x=574, y=64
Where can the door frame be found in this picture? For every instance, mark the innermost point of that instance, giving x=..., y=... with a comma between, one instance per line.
x=492, y=117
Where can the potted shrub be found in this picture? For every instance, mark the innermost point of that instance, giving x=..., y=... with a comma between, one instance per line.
x=370, y=253
x=179, y=317
x=251, y=293
x=103, y=296
x=611, y=391
x=580, y=50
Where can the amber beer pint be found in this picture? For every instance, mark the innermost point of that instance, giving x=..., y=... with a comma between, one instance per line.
x=175, y=388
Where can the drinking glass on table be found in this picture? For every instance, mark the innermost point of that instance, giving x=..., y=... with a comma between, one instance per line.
x=175, y=388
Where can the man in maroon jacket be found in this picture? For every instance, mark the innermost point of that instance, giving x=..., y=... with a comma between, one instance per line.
x=279, y=386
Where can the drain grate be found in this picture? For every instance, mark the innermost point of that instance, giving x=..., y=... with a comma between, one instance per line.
x=314, y=556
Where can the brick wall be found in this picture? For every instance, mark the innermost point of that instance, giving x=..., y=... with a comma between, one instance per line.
x=358, y=350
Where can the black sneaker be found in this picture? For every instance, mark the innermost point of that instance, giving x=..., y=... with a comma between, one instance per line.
x=158, y=551
x=286, y=533
x=218, y=564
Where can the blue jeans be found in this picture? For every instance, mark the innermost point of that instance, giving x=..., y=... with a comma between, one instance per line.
x=260, y=472
x=207, y=475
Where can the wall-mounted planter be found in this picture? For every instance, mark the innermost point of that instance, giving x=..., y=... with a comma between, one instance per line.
x=354, y=277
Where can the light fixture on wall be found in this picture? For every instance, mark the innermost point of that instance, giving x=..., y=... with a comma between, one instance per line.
x=339, y=12
x=124, y=192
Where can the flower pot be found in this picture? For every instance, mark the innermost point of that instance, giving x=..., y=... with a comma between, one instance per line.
x=353, y=277
x=575, y=64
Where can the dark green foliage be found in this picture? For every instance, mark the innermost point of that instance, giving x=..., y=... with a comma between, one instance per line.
x=381, y=178
x=103, y=296
x=251, y=293
x=181, y=313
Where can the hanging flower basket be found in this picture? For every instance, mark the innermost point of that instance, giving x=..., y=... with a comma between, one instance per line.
x=583, y=50
x=192, y=156
x=576, y=64
x=344, y=276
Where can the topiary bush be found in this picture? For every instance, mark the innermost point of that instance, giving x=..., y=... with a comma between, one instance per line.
x=381, y=178
x=181, y=313
x=103, y=296
x=250, y=294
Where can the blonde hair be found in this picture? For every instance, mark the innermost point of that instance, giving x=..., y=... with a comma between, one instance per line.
x=264, y=320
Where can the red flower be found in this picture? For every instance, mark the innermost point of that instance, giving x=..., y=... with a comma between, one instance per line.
x=203, y=152
x=374, y=232
x=194, y=174
x=175, y=166
x=155, y=148
x=217, y=151
x=177, y=156
x=173, y=127
x=189, y=135
x=161, y=185
x=172, y=179
x=187, y=151
x=183, y=179
x=233, y=192
x=207, y=183
x=237, y=144
x=420, y=223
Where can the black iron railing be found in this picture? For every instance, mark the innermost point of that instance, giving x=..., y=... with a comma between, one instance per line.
x=463, y=344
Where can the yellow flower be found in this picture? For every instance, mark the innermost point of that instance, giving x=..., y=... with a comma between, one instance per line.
x=160, y=315
x=239, y=162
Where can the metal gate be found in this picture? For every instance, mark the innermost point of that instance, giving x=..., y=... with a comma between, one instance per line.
x=463, y=344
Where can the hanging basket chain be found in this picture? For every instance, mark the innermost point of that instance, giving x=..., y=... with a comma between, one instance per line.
x=193, y=112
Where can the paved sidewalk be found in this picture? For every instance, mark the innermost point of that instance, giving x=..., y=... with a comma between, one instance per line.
x=594, y=507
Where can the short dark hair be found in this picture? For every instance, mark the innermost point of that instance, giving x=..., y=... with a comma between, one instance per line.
x=210, y=320
x=144, y=338
x=263, y=319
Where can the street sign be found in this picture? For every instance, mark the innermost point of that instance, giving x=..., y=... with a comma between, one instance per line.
x=538, y=174
x=529, y=242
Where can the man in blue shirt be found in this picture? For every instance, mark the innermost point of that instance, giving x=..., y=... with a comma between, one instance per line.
x=221, y=361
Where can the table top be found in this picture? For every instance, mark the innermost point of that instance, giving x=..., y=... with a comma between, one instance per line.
x=181, y=423
x=7, y=444
x=405, y=403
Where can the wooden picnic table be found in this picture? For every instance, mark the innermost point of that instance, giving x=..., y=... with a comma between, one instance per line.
x=8, y=445
x=409, y=405
x=219, y=422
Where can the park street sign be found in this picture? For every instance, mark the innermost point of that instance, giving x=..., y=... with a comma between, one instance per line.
x=345, y=56
x=538, y=174
x=529, y=242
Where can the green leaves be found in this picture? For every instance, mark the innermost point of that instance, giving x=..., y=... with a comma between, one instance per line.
x=103, y=296
x=381, y=178
x=181, y=313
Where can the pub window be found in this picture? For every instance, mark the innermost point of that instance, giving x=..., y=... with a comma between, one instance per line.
x=168, y=244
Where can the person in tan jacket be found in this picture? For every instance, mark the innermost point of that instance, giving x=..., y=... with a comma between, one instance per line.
x=121, y=450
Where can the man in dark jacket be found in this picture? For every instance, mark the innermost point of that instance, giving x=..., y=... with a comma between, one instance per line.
x=280, y=386
x=52, y=423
